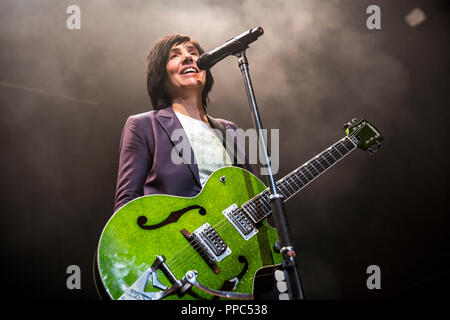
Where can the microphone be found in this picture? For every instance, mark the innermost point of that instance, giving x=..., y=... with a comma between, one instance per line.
x=231, y=47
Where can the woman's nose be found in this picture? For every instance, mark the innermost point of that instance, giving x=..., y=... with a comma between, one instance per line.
x=187, y=57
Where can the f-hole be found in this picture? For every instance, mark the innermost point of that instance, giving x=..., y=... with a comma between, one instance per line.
x=172, y=218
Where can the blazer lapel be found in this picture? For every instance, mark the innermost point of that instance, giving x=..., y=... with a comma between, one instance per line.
x=169, y=122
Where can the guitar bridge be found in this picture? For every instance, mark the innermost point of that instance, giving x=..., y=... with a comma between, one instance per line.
x=209, y=244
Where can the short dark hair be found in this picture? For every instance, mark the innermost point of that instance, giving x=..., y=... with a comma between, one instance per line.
x=156, y=70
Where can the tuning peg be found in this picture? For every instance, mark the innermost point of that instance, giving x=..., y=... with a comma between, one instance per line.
x=347, y=125
x=354, y=121
x=379, y=145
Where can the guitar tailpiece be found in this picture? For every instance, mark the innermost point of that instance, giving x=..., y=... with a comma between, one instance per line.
x=137, y=290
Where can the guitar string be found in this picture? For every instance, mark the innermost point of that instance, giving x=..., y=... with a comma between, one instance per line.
x=188, y=256
x=190, y=241
x=257, y=205
x=174, y=261
x=217, y=227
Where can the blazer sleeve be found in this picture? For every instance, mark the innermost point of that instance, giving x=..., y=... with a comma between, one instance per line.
x=135, y=162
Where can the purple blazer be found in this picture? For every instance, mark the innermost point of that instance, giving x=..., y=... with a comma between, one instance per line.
x=145, y=164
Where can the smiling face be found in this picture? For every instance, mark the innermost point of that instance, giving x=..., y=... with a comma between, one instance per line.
x=183, y=75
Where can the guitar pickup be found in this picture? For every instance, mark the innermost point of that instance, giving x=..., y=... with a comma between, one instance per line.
x=211, y=242
x=240, y=221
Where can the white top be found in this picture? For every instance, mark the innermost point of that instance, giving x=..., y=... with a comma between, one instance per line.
x=209, y=151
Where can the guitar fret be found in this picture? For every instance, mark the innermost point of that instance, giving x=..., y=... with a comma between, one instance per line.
x=289, y=185
x=326, y=164
x=306, y=179
x=342, y=150
x=261, y=214
x=255, y=209
x=248, y=209
x=266, y=200
x=330, y=159
x=335, y=154
x=297, y=186
x=263, y=204
x=286, y=192
x=342, y=143
x=312, y=170
x=267, y=208
x=266, y=194
x=264, y=210
x=349, y=144
x=260, y=206
x=317, y=167
x=259, y=211
x=263, y=207
x=323, y=165
x=280, y=189
x=307, y=174
x=297, y=180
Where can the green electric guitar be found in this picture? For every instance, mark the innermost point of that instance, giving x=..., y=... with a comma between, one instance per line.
x=208, y=246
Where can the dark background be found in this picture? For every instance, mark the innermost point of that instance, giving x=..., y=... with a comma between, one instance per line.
x=65, y=96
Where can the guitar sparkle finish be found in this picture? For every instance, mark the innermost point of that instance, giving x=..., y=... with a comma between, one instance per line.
x=126, y=249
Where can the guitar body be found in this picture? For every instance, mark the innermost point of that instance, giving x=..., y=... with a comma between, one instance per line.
x=158, y=225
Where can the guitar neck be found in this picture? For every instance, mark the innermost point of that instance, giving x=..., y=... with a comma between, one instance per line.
x=259, y=206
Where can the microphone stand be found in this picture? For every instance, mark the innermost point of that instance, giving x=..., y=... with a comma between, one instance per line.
x=289, y=264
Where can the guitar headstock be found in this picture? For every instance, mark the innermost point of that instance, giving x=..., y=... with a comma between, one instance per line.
x=364, y=135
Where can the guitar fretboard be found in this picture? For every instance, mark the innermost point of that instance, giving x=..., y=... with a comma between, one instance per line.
x=259, y=206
